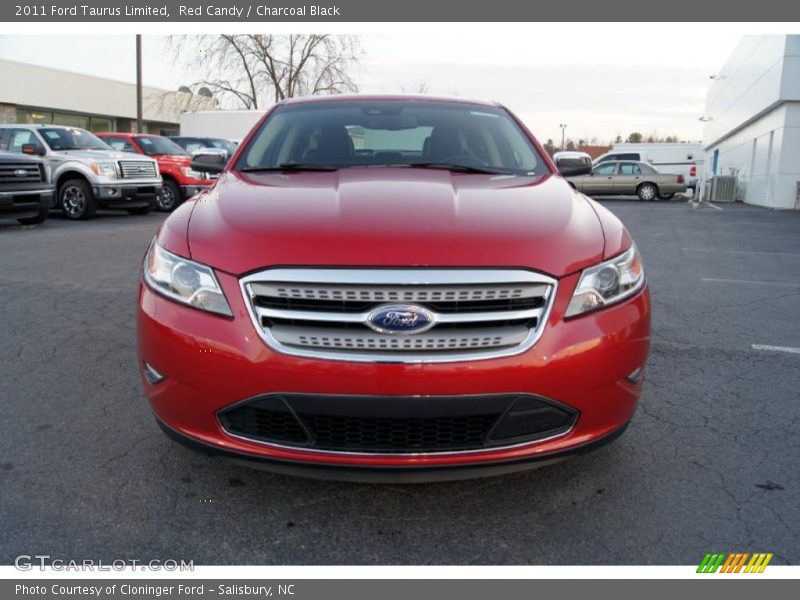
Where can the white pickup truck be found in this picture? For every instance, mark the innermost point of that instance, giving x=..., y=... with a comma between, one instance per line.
x=87, y=173
x=680, y=159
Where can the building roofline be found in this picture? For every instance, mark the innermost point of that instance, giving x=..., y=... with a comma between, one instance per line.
x=743, y=124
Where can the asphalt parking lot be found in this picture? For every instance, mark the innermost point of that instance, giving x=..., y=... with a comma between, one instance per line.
x=710, y=462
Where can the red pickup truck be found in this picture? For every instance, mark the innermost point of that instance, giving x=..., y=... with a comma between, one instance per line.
x=174, y=163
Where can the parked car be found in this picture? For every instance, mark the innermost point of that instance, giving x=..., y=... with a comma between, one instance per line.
x=193, y=144
x=393, y=288
x=25, y=189
x=180, y=181
x=681, y=159
x=624, y=178
x=86, y=172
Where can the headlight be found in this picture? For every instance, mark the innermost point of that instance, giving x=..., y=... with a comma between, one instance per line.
x=105, y=169
x=192, y=174
x=184, y=280
x=607, y=283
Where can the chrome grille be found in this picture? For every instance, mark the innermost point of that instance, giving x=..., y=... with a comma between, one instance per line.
x=323, y=313
x=20, y=172
x=137, y=169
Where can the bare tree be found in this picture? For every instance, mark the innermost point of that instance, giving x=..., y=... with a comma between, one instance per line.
x=250, y=71
x=421, y=88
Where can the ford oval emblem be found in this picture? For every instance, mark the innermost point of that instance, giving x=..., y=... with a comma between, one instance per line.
x=21, y=172
x=400, y=319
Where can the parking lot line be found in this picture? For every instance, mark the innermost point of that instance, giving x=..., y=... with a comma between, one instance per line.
x=769, y=348
x=751, y=282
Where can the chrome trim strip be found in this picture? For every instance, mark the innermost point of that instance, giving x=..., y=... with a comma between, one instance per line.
x=399, y=276
x=334, y=453
x=310, y=315
x=25, y=192
x=404, y=277
x=363, y=341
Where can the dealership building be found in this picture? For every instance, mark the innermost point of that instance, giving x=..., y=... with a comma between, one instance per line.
x=35, y=94
x=752, y=121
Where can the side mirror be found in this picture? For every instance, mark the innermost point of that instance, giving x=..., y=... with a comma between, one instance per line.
x=574, y=166
x=34, y=149
x=209, y=163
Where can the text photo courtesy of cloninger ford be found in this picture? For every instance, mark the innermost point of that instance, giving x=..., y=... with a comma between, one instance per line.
x=405, y=298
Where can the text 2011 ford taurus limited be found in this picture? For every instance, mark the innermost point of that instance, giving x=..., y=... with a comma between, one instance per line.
x=393, y=288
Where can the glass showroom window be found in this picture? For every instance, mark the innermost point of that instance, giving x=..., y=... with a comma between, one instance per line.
x=71, y=120
x=34, y=117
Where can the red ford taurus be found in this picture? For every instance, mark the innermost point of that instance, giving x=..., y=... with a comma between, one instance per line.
x=396, y=289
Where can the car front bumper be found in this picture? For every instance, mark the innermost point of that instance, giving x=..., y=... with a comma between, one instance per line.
x=25, y=203
x=591, y=364
x=127, y=194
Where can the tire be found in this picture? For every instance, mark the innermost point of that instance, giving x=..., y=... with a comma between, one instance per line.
x=76, y=200
x=647, y=192
x=170, y=197
x=141, y=210
x=666, y=196
x=38, y=219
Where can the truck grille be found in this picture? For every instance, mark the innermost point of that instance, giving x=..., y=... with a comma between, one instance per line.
x=137, y=169
x=20, y=172
x=397, y=424
x=326, y=313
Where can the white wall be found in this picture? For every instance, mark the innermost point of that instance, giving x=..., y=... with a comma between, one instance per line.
x=765, y=156
x=228, y=124
x=42, y=87
x=761, y=73
x=754, y=112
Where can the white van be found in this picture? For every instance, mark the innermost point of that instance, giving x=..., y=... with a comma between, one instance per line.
x=680, y=159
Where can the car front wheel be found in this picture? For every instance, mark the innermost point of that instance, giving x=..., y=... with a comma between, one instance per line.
x=169, y=198
x=77, y=200
x=647, y=192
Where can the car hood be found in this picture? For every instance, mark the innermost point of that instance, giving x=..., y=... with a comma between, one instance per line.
x=180, y=160
x=101, y=155
x=393, y=217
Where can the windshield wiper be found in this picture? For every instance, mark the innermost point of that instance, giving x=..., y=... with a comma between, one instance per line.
x=290, y=167
x=461, y=168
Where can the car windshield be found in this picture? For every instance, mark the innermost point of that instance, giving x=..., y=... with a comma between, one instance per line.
x=459, y=136
x=160, y=145
x=71, y=138
x=229, y=147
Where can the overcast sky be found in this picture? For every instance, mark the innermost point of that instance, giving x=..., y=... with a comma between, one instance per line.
x=602, y=85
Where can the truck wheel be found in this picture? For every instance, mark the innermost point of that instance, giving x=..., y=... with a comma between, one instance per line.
x=647, y=191
x=40, y=218
x=77, y=200
x=666, y=196
x=141, y=210
x=170, y=196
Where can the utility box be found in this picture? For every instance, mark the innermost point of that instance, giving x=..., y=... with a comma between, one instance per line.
x=723, y=188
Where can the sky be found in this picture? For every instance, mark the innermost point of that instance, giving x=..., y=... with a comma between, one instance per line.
x=601, y=84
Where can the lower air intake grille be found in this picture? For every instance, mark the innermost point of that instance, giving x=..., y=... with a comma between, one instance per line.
x=399, y=425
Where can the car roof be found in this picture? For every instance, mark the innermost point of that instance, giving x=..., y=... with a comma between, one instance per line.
x=37, y=126
x=384, y=98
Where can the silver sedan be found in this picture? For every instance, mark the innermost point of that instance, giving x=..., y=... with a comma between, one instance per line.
x=628, y=178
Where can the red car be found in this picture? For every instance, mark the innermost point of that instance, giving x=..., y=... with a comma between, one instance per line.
x=396, y=289
x=174, y=163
